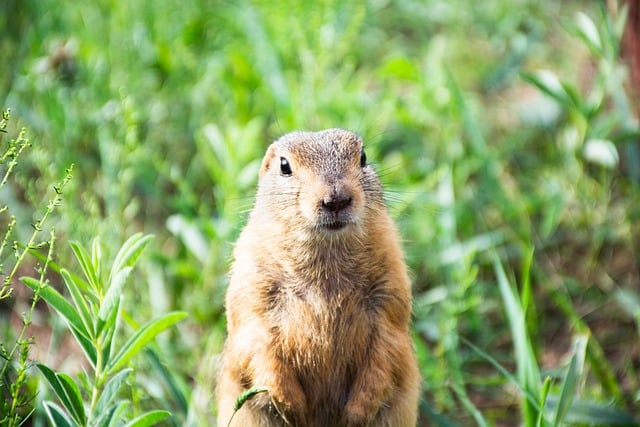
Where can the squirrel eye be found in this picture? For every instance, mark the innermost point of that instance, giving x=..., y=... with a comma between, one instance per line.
x=285, y=167
x=363, y=159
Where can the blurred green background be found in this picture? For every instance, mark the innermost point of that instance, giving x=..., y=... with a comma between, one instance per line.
x=501, y=129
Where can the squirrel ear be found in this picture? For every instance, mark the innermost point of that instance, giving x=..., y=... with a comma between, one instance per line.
x=266, y=161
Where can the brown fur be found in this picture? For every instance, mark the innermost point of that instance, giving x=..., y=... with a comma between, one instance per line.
x=319, y=316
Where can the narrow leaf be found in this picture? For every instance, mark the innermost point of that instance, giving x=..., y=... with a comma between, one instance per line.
x=112, y=416
x=176, y=392
x=588, y=31
x=130, y=251
x=87, y=346
x=67, y=391
x=142, y=337
x=592, y=413
x=528, y=371
x=148, y=419
x=57, y=301
x=55, y=384
x=74, y=398
x=114, y=292
x=107, y=330
x=508, y=375
x=527, y=366
x=87, y=266
x=110, y=391
x=96, y=255
x=547, y=82
x=544, y=393
x=105, y=415
x=57, y=416
x=570, y=383
x=79, y=301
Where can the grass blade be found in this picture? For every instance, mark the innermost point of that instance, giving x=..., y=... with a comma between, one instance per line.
x=527, y=366
x=543, y=402
x=570, y=383
x=591, y=413
x=508, y=375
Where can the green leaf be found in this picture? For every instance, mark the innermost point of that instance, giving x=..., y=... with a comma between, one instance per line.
x=570, y=383
x=87, y=346
x=96, y=256
x=527, y=394
x=57, y=416
x=57, y=301
x=67, y=391
x=110, y=391
x=142, y=337
x=87, y=267
x=107, y=330
x=113, y=293
x=587, y=30
x=129, y=252
x=112, y=415
x=79, y=301
x=544, y=393
x=547, y=82
x=592, y=413
x=527, y=366
x=54, y=382
x=74, y=398
x=176, y=392
x=148, y=419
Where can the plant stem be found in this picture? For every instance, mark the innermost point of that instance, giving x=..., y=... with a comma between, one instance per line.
x=97, y=378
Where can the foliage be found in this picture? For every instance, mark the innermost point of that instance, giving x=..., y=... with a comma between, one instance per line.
x=93, y=316
x=17, y=394
x=501, y=129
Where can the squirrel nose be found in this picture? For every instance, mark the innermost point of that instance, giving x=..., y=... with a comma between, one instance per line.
x=336, y=202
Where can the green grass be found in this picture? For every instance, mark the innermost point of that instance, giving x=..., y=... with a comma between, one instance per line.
x=501, y=129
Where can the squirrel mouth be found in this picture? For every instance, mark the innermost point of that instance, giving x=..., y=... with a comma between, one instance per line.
x=334, y=225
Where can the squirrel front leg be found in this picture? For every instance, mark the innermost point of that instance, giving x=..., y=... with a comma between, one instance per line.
x=283, y=388
x=260, y=367
x=374, y=382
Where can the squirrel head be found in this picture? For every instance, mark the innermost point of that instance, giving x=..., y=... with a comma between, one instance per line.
x=319, y=181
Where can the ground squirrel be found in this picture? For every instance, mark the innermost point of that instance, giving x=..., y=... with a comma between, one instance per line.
x=319, y=301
